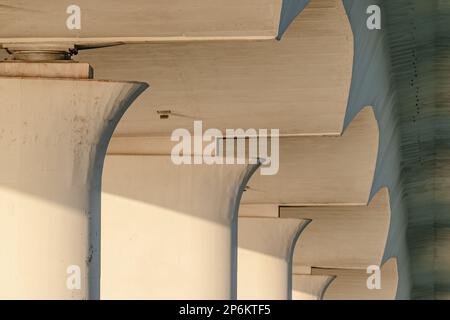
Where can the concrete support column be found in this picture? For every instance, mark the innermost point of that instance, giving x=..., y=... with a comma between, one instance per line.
x=310, y=287
x=265, y=257
x=55, y=124
x=168, y=230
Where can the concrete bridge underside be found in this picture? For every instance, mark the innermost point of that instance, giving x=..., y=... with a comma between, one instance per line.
x=88, y=179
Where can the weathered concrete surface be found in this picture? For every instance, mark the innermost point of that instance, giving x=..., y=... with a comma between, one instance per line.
x=265, y=252
x=64, y=69
x=347, y=237
x=168, y=231
x=372, y=84
x=53, y=137
x=419, y=42
x=310, y=287
x=315, y=170
x=402, y=69
x=299, y=85
x=140, y=20
x=351, y=284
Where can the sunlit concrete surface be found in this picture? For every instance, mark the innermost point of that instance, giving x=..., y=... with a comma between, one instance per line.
x=362, y=117
x=140, y=20
x=53, y=137
x=310, y=287
x=265, y=257
x=351, y=284
x=315, y=169
x=299, y=84
x=342, y=236
x=167, y=230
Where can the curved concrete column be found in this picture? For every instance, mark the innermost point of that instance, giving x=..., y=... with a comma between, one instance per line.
x=265, y=257
x=352, y=237
x=315, y=170
x=309, y=287
x=167, y=230
x=53, y=138
x=351, y=284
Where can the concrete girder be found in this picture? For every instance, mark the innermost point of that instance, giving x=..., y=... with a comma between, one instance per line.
x=299, y=85
x=141, y=21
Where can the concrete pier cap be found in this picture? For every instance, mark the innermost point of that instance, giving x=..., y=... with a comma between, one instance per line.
x=55, y=126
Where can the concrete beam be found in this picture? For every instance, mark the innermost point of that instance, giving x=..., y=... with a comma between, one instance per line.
x=299, y=85
x=106, y=21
